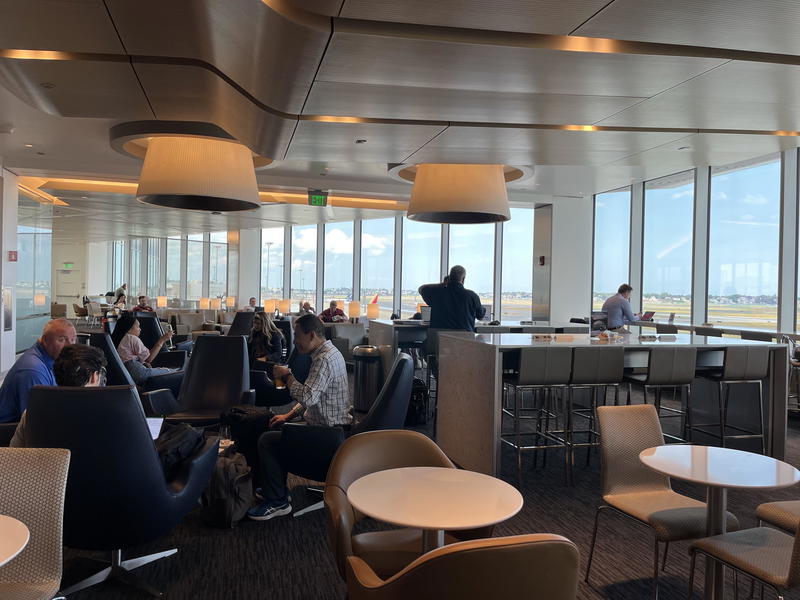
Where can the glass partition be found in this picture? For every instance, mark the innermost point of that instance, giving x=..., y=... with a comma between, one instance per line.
x=174, y=267
x=271, y=264
x=377, y=265
x=472, y=247
x=612, y=235
x=422, y=244
x=194, y=267
x=516, y=301
x=34, y=254
x=338, y=273
x=304, y=265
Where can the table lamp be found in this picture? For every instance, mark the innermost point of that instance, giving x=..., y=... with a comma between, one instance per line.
x=373, y=310
x=269, y=304
x=161, y=302
x=204, y=303
x=39, y=299
x=230, y=301
x=216, y=303
x=354, y=309
x=285, y=306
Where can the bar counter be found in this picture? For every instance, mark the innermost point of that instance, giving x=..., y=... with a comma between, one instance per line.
x=469, y=397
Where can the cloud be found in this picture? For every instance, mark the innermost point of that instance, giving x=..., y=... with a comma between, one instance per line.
x=683, y=194
x=375, y=245
x=681, y=242
x=758, y=223
x=754, y=199
x=720, y=196
x=424, y=235
x=306, y=241
x=338, y=242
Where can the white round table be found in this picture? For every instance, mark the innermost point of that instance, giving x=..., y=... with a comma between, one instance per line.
x=719, y=469
x=434, y=499
x=14, y=536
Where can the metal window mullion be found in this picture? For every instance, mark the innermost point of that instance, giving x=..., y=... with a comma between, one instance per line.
x=356, y=261
x=206, y=270
x=497, y=284
x=320, y=270
x=444, y=252
x=700, y=239
x=397, y=298
x=162, y=273
x=636, y=245
x=184, y=266
x=787, y=261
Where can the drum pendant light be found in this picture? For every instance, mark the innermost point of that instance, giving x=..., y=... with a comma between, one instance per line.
x=198, y=173
x=459, y=194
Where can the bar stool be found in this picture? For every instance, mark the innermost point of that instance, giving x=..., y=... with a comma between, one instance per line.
x=794, y=370
x=593, y=368
x=708, y=331
x=743, y=364
x=756, y=336
x=541, y=369
x=666, y=328
x=668, y=367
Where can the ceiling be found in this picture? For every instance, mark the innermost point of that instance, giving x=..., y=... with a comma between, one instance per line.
x=593, y=94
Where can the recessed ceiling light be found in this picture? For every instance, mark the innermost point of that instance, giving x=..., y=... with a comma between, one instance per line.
x=29, y=145
x=361, y=141
x=85, y=197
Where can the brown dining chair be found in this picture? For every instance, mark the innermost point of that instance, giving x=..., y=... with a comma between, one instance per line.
x=386, y=552
x=532, y=566
x=783, y=515
x=631, y=489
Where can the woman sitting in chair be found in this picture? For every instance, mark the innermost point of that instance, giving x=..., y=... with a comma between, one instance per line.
x=266, y=343
x=134, y=354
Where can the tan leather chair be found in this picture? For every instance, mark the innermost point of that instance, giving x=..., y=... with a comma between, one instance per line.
x=35, y=573
x=386, y=552
x=765, y=554
x=634, y=490
x=783, y=515
x=539, y=566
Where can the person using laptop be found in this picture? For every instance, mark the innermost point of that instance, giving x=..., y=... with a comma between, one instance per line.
x=618, y=308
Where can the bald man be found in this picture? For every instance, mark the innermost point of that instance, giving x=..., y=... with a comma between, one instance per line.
x=34, y=367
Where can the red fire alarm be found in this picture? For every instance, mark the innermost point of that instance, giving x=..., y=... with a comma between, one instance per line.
x=12, y=256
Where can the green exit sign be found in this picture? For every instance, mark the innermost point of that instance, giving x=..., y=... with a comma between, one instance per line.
x=317, y=198
x=68, y=265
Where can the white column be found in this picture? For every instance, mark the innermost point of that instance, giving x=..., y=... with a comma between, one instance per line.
x=702, y=195
x=636, y=245
x=8, y=270
x=571, y=287
x=249, y=273
x=787, y=266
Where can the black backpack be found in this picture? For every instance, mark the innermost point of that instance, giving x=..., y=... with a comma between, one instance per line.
x=175, y=444
x=229, y=494
x=419, y=405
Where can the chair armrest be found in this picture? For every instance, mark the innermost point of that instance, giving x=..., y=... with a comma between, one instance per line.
x=158, y=403
x=341, y=520
x=249, y=397
x=173, y=359
x=170, y=381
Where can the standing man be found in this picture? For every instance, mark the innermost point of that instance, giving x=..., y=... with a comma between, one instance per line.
x=452, y=305
x=120, y=291
x=618, y=308
x=34, y=367
x=323, y=400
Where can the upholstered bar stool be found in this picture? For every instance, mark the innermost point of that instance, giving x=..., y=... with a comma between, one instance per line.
x=708, y=331
x=541, y=371
x=742, y=365
x=666, y=328
x=668, y=367
x=758, y=336
x=594, y=368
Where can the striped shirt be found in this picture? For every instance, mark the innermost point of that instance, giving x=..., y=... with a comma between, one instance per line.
x=325, y=395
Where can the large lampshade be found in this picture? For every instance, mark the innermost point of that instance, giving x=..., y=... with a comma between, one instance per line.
x=161, y=301
x=198, y=173
x=230, y=301
x=269, y=304
x=285, y=305
x=216, y=303
x=459, y=194
x=204, y=304
x=354, y=309
x=373, y=310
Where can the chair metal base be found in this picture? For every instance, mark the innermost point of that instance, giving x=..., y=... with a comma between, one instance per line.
x=120, y=570
x=313, y=507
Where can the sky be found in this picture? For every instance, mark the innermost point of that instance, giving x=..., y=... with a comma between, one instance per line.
x=743, y=235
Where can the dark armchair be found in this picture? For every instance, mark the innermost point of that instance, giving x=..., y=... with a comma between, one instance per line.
x=345, y=336
x=150, y=334
x=242, y=323
x=117, y=495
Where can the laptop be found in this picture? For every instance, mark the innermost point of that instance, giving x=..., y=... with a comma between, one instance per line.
x=648, y=316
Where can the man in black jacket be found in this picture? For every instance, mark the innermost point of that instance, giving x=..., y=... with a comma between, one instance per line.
x=452, y=305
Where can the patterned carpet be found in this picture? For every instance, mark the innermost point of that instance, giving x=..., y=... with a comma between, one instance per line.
x=288, y=558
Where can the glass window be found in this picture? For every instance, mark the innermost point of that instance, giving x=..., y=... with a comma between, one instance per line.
x=743, y=244
x=218, y=237
x=153, y=267
x=667, y=246
x=377, y=265
x=194, y=267
x=34, y=246
x=304, y=265
x=612, y=239
x=472, y=247
x=421, y=257
x=338, y=264
x=218, y=269
x=174, y=267
x=119, y=264
x=271, y=263
x=517, y=297
x=134, y=280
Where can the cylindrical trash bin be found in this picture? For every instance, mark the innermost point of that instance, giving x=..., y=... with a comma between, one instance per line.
x=367, y=377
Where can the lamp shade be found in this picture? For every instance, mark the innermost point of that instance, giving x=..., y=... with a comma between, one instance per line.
x=198, y=173
x=285, y=306
x=459, y=194
x=373, y=310
x=161, y=301
x=204, y=304
x=39, y=299
x=216, y=303
x=354, y=309
x=269, y=304
x=230, y=301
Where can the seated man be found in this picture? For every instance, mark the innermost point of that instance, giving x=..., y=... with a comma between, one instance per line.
x=251, y=305
x=332, y=314
x=143, y=306
x=34, y=367
x=324, y=399
x=76, y=366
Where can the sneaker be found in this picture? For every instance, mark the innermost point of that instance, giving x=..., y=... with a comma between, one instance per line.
x=268, y=509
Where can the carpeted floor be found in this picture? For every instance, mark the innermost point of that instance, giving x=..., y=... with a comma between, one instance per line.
x=288, y=558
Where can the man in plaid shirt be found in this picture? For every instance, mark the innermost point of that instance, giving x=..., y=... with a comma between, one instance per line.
x=323, y=400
